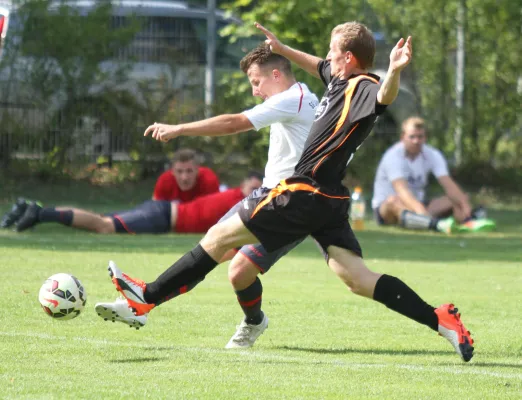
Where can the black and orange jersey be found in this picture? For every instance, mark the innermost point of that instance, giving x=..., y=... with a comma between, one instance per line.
x=343, y=120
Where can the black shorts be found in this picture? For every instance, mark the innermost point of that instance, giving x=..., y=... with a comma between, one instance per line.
x=296, y=208
x=256, y=253
x=150, y=217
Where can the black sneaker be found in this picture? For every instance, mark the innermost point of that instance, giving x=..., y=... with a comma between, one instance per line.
x=30, y=217
x=17, y=210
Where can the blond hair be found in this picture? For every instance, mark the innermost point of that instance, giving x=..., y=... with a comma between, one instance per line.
x=358, y=39
x=417, y=122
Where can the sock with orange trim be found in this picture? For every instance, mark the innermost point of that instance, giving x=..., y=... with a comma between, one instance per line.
x=188, y=270
x=399, y=297
x=250, y=300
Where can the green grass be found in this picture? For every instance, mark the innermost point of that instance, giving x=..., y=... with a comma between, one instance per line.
x=322, y=342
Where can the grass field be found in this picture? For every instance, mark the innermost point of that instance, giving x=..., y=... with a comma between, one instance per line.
x=322, y=341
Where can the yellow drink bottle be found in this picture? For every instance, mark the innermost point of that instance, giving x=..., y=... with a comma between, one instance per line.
x=357, y=209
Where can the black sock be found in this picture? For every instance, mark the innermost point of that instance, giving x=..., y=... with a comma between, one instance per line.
x=52, y=215
x=250, y=301
x=397, y=296
x=182, y=290
x=192, y=267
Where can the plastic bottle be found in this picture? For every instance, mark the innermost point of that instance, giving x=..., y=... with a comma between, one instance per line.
x=357, y=209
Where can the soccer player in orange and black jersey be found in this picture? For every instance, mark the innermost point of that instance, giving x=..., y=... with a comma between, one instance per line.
x=313, y=201
x=343, y=120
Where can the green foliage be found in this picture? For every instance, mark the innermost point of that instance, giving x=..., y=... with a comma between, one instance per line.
x=68, y=47
x=303, y=24
x=493, y=59
x=55, y=58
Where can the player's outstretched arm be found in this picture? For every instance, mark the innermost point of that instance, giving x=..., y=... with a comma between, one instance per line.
x=400, y=57
x=222, y=125
x=303, y=60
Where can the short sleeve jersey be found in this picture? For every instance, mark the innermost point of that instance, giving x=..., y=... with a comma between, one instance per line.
x=343, y=120
x=290, y=115
x=167, y=187
x=395, y=165
x=200, y=215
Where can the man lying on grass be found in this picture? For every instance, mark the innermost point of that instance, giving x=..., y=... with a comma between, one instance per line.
x=152, y=216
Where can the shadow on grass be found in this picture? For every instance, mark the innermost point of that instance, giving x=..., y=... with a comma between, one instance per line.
x=351, y=350
x=138, y=360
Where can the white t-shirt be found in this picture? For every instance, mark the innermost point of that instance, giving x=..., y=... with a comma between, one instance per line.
x=290, y=115
x=395, y=165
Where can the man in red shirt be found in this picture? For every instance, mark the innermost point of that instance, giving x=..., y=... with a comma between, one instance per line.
x=186, y=180
x=153, y=216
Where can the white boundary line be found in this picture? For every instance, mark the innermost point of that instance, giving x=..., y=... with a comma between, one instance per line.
x=257, y=355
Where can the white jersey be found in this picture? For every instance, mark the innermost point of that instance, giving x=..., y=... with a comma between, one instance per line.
x=290, y=115
x=395, y=165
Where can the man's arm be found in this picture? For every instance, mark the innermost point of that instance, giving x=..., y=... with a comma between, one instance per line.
x=400, y=57
x=408, y=199
x=305, y=61
x=455, y=193
x=222, y=125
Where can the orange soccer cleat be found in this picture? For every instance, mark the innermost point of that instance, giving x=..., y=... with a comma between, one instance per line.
x=130, y=288
x=452, y=328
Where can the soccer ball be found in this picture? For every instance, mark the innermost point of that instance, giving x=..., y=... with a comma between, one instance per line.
x=62, y=296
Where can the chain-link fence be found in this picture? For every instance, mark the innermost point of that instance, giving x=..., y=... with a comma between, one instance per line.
x=159, y=72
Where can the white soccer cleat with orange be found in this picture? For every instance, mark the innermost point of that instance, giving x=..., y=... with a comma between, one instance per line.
x=119, y=311
x=131, y=289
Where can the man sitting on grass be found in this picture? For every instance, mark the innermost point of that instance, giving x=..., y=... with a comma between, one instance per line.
x=153, y=216
x=401, y=180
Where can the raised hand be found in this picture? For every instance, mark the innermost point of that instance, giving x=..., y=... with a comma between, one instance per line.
x=163, y=132
x=271, y=39
x=401, y=54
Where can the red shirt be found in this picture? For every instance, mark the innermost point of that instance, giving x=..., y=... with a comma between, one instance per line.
x=167, y=188
x=199, y=215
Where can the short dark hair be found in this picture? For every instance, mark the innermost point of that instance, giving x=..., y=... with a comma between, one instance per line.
x=263, y=57
x=184, y=155
x=255, y=174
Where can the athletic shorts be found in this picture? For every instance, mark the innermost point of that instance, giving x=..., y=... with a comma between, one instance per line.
x=256, y=253
x=153, y=216
x=296, y=208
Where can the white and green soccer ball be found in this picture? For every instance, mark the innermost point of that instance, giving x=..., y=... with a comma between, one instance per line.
x=62, y=296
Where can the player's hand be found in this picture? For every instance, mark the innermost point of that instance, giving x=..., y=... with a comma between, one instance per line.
x=275, y=45
x=163, y=132
x=401, y=54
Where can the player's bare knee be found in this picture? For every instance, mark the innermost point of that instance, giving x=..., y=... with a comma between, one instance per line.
x=241, y=273
x=235, y=275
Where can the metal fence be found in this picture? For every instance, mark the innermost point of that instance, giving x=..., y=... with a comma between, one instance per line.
x=167, y=56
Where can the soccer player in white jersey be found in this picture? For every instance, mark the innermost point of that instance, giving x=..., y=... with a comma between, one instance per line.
x=400, y=184
x=289, y=109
